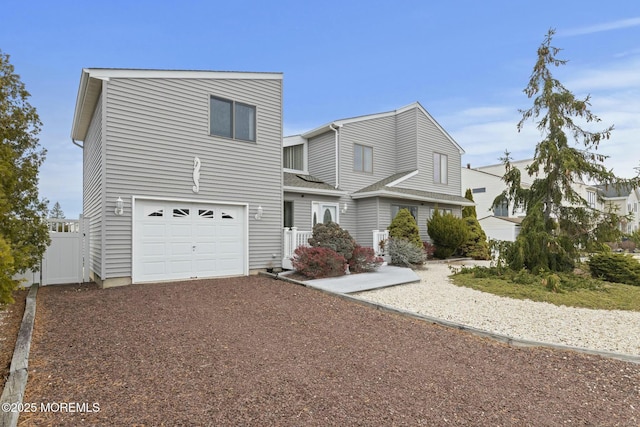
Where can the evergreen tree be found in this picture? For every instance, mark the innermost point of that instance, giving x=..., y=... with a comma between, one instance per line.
x=404, y=226
x=557, y=164
x=56, y=212
x=23, y=231
x=476, y=245
x=447, y=232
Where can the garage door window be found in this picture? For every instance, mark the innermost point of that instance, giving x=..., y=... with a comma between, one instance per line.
x=205, y=213
x=180, y=213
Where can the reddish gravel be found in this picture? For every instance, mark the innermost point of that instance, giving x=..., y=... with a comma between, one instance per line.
x=254, y=351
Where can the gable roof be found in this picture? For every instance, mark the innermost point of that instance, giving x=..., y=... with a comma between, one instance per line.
x=338, y=123
x=383, y=189
x=615, y=191
x=296, y=182
x=91, y=86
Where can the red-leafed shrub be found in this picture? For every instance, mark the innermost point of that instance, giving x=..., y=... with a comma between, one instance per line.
x=364, y=260
x=429, y=249
x=318, y=262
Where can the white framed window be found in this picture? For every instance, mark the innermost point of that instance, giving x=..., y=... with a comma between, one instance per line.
x=591, y=199
x=362, y=158
x=231, y=119
x=293, y=157
x=442, y=211
x=440, y=168
x=324, y=212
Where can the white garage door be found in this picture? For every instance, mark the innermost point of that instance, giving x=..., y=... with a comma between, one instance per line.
x=173, y=240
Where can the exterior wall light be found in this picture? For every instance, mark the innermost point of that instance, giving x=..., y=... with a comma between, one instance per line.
x=119, y=207
x=344, y=208
x=259, y=213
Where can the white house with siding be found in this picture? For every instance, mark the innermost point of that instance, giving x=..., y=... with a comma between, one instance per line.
x=360, y=171
x=182, y=172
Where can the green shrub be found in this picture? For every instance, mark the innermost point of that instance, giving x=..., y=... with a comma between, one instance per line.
x=7, y=284
x=618, y=268
x=405, y=253
x=476, y=245
x=333, y=237
x=364, y=260
x=447, y=233
x=404, y=226
x=318, y=262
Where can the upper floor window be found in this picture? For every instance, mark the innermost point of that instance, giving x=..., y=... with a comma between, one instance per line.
x=479, y=190
x=294, y=157
x=591, y=199
x=440, y=168
x=362, y=158
x=232, y=119
x=502, y=209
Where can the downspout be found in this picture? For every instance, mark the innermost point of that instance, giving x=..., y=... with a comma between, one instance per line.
x=337, y=139
x=75, y=143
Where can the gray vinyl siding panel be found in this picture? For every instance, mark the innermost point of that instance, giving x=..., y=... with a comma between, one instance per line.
x=431, y=139
x=322, y=157
x=93, y=182
x=378, y=133
x=368, y=220
x=156, y=127
x=302, y=217
x=407, y=135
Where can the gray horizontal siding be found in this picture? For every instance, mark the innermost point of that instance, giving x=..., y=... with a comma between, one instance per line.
x=155, y=128
x=368, y=220
x=322, y=157
x=378, y=133
x=406, y=135
x=93, y=182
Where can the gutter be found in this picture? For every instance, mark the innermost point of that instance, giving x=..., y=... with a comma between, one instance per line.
x=336, y=129
x=75, y=143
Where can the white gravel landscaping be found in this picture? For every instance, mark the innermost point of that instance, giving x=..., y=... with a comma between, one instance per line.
x=614, y=331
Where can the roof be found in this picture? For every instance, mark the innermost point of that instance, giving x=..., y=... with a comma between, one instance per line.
x=294, y=182
x=516, y=220
x=386, y=188
x=614, y=191
x=91, y=86
x=338, y=123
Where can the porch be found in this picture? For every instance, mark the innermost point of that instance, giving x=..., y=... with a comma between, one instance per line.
x=294, y=238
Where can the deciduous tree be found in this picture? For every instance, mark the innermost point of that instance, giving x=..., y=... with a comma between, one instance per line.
x=23, y=230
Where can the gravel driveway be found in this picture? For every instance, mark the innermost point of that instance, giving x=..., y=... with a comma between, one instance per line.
x=254, y=351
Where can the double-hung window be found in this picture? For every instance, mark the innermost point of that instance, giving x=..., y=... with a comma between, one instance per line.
x=294, y=157
x=362, y=158
x=231, y=119
x=440, y=168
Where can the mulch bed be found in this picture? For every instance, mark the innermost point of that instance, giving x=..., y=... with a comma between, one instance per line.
x=10, y=321
x=256, y=351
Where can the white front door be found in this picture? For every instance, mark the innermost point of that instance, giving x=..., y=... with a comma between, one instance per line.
x=178, y=240
x=324, y=213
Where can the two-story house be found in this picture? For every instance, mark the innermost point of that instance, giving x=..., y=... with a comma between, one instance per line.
x=359, y=172
x=624, y=202
x=182, y=172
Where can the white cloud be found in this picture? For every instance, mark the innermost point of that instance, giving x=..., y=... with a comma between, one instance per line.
x=607, y=26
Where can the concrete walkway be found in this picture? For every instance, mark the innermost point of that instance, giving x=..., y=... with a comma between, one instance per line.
x=385, y=276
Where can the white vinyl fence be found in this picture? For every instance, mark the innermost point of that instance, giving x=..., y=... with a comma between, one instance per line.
x=63, y=261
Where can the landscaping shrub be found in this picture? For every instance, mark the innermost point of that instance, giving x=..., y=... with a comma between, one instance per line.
x=476, y=245
x=333, y=237
x=404, y=226
x=447, y=233
x=7, y=284
x=405, y=253
x=429, y=249
x=318, y=262
x=617, y=268
x=364, y=260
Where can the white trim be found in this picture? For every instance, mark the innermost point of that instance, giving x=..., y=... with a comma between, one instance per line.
x=181, y=200
x=401, y=179
x=394, y=195
x=107, y=73
x=288, y=141
x=319, y=191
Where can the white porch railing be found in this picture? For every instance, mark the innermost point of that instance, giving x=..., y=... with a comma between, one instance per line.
x=293, y=238
x=379, y=237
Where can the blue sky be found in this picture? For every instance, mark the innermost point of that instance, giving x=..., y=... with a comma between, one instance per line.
x=466, y=62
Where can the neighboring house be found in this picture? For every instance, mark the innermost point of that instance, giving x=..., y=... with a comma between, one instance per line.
x=360, y=171
x=486, y=184
x=182, y=172
x=623, y=201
